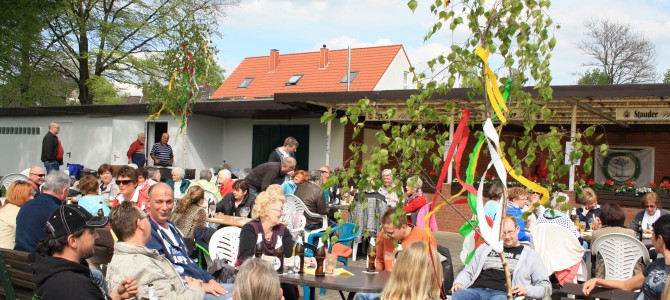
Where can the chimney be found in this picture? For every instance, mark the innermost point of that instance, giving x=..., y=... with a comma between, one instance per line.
x=274, y=60
x=323, y=58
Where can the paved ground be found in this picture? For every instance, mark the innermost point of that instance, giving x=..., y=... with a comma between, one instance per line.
x=451, y=240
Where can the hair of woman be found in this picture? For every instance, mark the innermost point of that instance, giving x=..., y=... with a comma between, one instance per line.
x=650, y=198
x=88, y=185
x=612, y=215
x=256, y=279
x=413, y=276
x=264, y=200
x=193, y=195
x=19, y=192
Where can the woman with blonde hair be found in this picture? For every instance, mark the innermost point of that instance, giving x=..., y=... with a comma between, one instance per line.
x=413, y=277
x=590, y=208
x=267, y=230
x=651, y=206
x=257, y=280
x=189, y=213
x=19, y=192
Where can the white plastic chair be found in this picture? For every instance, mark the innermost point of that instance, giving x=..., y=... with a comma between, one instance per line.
x=224, y=244
x=558, y=248
x=293, y=209
x=620, y=253
x=209, y=198
x=7, y=180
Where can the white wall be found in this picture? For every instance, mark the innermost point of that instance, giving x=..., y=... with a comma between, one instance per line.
x=393, y=78
x=238, y=135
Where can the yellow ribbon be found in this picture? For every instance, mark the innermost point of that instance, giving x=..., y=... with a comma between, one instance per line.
x=492, y=90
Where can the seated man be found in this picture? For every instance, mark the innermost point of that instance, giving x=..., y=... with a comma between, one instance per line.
x=168, y=241
x=403, y=234
x=147, y=266
x=58, y=271
x=33, y=214
x=36, y=177
x=653, y=279
x=484, y=278
x=312, y=195
x=205, y=184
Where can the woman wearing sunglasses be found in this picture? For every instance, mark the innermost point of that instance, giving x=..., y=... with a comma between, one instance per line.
x=126, y=179
x=19, y=192
x=652, y=211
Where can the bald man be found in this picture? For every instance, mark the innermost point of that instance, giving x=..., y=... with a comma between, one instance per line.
x=161, y=153
x=36, y=177
x=52, y=150
x=136, y=154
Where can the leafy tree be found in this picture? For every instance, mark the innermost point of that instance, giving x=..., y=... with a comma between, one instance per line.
x=593, y=77
x=624, y=55
x=666, y=76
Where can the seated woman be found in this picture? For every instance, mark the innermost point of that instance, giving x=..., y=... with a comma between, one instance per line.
x=266, y=229
x=652, y=280
x=257, y=279
x=178, y=184
x=108, y=188
x=19, y=192
x=652, y=211
x=612, y=218
x=387, y=189
x=189, y=213
x=289, y=186
x=91, y=200
x=126, y=180
x=413, y=277
x=232, y=202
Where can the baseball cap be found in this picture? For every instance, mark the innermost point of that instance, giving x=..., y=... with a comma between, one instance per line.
x=70, y=218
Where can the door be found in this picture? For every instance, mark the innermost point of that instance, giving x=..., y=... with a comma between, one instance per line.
x=124, y=133
x=268, y=137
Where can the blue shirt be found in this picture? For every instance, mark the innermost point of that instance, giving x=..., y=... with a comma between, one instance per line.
x=32, y=219
x=92, y=204
x=655, y=276
x=163, y=153
x=515, y=210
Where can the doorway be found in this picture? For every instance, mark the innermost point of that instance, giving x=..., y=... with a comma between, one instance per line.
x=268, y=137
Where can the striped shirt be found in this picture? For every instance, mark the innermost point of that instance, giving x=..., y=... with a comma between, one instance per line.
x=163, y=153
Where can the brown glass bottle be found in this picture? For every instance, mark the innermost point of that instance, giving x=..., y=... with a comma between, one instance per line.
x=300, y=253
x=101, y=213
x=320, y=260
x=258, y=252
x=279, y=253
x=372, y=256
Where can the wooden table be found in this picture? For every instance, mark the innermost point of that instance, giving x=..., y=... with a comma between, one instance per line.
x=359, y=282
x=228, y=220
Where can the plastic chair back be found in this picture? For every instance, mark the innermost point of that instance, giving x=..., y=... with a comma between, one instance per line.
x=225, y=244
x=293, y=202
x=7, y=180
x=293, y=217
x=620, y=253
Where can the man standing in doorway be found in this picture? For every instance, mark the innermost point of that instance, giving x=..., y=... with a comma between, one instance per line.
x=52, y=150
x=161, y=153
x=288, y=150
x=136, y=153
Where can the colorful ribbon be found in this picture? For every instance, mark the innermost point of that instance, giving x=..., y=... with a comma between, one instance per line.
x=492, y=89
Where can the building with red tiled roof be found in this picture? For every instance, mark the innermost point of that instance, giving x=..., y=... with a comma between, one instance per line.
x=371, y=69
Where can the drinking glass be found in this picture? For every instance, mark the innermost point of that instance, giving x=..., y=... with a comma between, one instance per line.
x=296, y=264
x=582, y=226
x=244, y=212
x=331, y=262
x=591, y=223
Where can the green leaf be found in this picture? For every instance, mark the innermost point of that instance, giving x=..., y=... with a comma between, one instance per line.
x=412, y=4
x=563, y=170
x=589, y=131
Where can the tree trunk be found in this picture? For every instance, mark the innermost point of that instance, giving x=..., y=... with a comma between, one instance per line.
x=85, y=96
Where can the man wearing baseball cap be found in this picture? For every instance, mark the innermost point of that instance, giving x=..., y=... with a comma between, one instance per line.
x=58, y=271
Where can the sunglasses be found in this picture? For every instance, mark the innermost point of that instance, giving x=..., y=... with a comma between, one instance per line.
x=124, y=182
x=38, y=175
x=650, y=206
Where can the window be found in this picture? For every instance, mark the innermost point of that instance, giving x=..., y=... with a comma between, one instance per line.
x=20, y=130
x=294, y=79
x=405, y=80
x=245, y=82
x=352, y=75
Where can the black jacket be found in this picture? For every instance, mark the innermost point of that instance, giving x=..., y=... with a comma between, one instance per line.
x=264, y=175
x=59, y=278
x=227, y=204
x=312, y=195
x=50, y=147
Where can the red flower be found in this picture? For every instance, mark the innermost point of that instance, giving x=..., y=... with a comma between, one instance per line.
x=590, y=182
x=609, y=182
x=629, y=183
x=487, y=176
x=663, y=184
x=432, y=173
x=653, y=184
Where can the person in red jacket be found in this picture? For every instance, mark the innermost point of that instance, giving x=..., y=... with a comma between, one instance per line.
x=415, y=199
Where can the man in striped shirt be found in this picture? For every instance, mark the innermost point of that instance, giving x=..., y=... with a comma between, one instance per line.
x=161, y=152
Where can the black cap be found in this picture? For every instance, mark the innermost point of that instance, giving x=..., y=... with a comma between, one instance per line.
x=70, y=218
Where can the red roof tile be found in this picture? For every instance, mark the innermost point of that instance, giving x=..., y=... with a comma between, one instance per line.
x=371, y=63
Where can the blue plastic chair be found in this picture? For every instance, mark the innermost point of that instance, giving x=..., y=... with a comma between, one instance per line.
x=347, y=236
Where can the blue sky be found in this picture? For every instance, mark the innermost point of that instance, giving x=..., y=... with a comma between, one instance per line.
x=256, y=26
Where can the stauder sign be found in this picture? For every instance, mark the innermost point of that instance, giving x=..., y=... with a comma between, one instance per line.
x=642, y=114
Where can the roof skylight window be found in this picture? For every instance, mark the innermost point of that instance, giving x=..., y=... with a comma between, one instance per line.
x=352, y=75
x=245, y=82
x=294, y=79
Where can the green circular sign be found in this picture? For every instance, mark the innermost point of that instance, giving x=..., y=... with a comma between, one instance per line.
x=621, y=167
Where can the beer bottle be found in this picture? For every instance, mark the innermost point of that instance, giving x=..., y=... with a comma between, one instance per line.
x=279, y=254
x=299, y=250
x=371, y=256
x=101, y=213
x=258, y=253
x=320, y=256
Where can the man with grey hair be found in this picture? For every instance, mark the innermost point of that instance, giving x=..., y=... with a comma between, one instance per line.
x=206, y=184
x=33, y=214
x=52, y=150
x=268, y=173
x=225, y=182
x=387, y=190
x=136, y=154
x=154, y=175
x=311, y=194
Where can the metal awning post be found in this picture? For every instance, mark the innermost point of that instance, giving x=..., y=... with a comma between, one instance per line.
x=329, y=126
x=573, y=132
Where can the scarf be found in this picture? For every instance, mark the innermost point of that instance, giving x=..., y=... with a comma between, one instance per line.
x=647, y=220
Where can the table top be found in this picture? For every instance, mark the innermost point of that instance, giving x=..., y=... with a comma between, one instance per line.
x=228, y=220
x=359, y=282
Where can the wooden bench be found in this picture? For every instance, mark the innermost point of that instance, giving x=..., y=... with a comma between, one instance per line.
x=16, y=275
x=572, y=289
